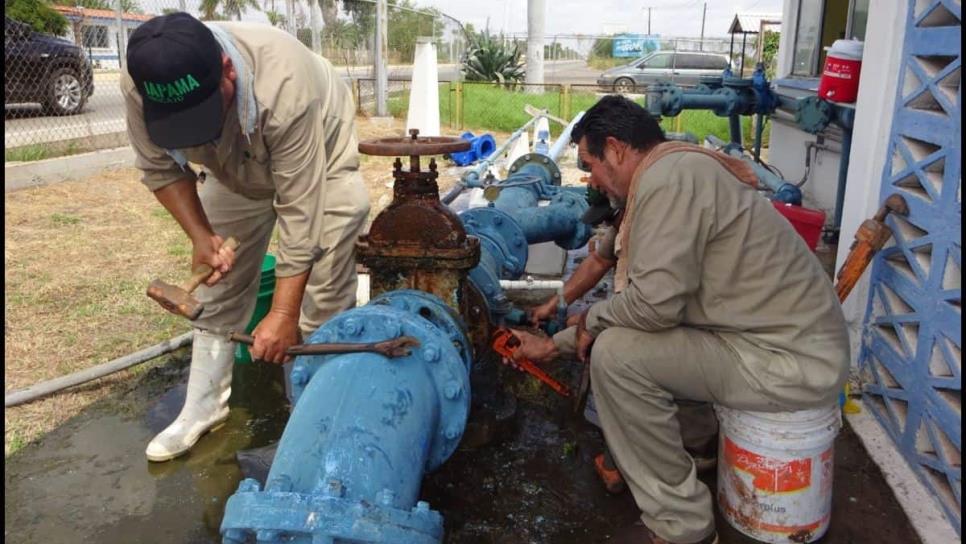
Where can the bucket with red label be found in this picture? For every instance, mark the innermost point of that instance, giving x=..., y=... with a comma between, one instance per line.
x=775, y=472
x=840, y=77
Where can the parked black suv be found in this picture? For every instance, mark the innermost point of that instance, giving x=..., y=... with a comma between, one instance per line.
x=42, y=68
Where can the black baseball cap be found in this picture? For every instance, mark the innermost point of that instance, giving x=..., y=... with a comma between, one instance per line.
x=175, y=63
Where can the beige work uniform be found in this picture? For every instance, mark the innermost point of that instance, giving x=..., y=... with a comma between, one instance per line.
x=726, y=304
x=298, y=169
x=697, y=421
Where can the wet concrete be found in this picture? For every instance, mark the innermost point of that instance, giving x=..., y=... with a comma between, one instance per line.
x=525, y=475
x=88, y=481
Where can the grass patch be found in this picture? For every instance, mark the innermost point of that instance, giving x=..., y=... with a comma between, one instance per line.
x=487, y=107
x=64, y=219
x=39, y=152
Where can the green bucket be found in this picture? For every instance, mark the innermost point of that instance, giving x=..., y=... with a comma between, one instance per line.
x=266, y=289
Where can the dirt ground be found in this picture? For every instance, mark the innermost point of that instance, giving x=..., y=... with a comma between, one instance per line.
x=78, y=257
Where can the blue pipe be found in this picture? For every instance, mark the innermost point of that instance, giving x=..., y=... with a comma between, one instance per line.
x=783, y=191
x=734, y=128
x=363, y=431
x=845, y=118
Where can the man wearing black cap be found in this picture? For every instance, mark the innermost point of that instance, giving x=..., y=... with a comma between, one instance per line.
x=272, y=126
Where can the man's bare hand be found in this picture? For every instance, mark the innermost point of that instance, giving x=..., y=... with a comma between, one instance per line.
x=538, y=349
x=273, y=336
x=209, y=251
x=543, y=312
x=584, y=339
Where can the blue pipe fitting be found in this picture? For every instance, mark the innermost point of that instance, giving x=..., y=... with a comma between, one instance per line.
x=558, y=222
x=536, y=164
x=363, y=430
x=501, y=237
x=480, y=148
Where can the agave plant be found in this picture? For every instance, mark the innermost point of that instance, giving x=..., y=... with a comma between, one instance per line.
x=490, y=59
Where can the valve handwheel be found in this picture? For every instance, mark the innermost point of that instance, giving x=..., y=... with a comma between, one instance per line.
x=413, y=146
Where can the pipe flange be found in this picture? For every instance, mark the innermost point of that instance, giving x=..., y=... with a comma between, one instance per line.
x=445, y=364
x=429, y=308
x=541, y=160
x=283, y=516
x=812, y=114
x=583, y=231
x=732, y=104
x=497, y=228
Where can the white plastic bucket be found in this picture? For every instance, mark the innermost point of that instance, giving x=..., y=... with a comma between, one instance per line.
x=775, y=472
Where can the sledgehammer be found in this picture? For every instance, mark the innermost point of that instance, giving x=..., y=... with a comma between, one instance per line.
x=178, y=300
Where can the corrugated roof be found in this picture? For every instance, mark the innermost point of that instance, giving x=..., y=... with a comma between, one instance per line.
x=82, y=13
x=751, y=22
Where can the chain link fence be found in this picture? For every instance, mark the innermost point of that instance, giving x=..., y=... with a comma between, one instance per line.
x=66, y=98
x=55, y=109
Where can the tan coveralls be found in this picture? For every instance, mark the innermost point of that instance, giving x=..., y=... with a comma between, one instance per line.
x=300, y=169
x=725, y=304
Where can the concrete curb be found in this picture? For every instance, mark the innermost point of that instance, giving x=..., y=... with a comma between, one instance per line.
x=23, y=175
x=919, y=504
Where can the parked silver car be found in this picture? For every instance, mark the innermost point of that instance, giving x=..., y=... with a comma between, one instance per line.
x=683, y=68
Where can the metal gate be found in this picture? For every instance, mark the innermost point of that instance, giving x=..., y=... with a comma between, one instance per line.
x=911, y=356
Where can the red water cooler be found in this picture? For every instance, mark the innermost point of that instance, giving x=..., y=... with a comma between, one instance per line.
x=840, y=77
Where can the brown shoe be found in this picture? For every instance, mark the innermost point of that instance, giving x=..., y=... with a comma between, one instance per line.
x=640, y=534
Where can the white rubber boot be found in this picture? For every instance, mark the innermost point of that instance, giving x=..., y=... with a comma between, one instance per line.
x=206, y=402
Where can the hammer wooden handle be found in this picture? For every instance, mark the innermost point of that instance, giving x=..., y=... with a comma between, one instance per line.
x=203, y=271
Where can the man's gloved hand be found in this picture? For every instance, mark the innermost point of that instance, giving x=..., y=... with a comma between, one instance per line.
x=273, y=336
x=208, y=250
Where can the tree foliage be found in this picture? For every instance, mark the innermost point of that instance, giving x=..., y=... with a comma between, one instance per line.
x=36, y=13
x=213, y=10
x=769, y=52
x=127, y=6
x=603, y=48
x=490, y=58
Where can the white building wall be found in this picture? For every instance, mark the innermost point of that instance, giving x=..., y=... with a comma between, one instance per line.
x=878, y=85
x=881, y=59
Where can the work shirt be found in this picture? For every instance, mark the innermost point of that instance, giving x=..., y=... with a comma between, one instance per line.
x=304, y=134
x=705, y=250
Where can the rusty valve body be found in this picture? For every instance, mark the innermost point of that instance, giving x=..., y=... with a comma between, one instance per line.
x=417, y=242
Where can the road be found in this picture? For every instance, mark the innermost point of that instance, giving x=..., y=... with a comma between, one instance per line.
x=104, y=113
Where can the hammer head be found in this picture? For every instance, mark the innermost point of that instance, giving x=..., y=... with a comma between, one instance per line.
x=175, y=299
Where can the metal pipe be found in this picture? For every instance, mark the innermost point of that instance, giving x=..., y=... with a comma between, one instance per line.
x=564, y=139
x=531, y=284
x=843, y=175
x=734, y=127
x=43, y=389
x=759, y=130
x=363, y=431
x=783, y=190
x=471, y=178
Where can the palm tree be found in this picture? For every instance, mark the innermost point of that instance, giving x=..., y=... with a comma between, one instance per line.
x=231, y=9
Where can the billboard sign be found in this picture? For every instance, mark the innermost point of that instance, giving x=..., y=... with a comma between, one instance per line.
x=635, y=45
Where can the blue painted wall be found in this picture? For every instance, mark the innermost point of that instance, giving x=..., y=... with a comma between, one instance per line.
x=911, y=355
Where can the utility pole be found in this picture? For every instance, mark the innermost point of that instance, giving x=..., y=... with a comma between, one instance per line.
x=380, y=57
x=703, y=13
x=536, y=12
x=648, y=21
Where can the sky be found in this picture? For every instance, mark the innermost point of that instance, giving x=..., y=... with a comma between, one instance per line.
x=679, y=18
